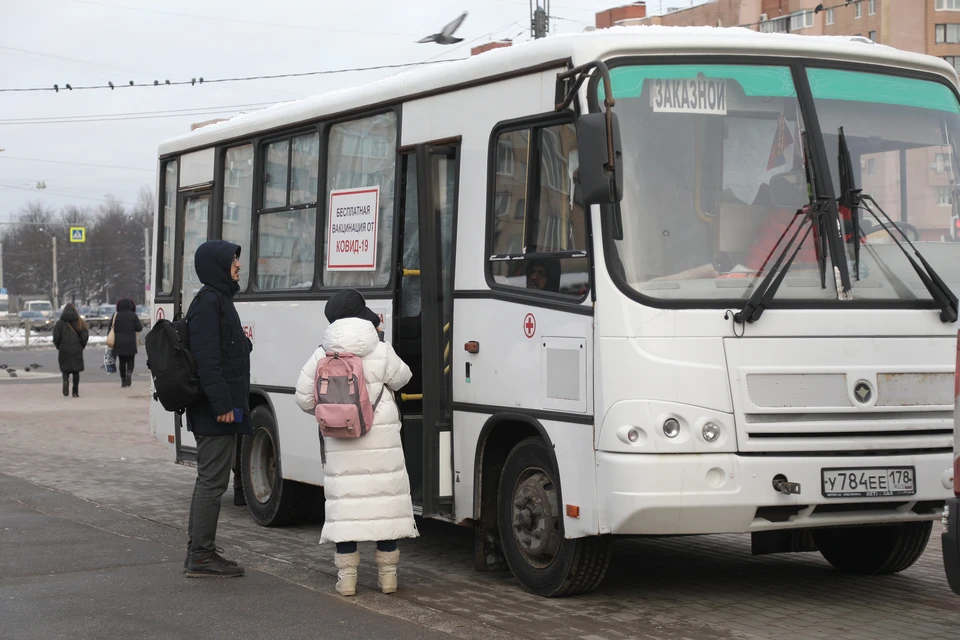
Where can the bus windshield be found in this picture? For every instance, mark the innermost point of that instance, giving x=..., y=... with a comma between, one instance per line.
x=715, y=178
x=901, y=134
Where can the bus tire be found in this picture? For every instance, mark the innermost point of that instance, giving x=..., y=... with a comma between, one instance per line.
x=879, y=550
x=273, y=501
x=531, y=528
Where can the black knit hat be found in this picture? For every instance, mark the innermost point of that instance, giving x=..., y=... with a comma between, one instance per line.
x=349, y=303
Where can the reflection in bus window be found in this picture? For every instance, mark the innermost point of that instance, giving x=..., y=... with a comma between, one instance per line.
x=169, y=218
x=715, y=159
x=901, y=133
x=238, y=200
x=304, y=167
x=196, y=212
x=362, y=153
x=285, y=249
x=275, y=177
x=542, y=247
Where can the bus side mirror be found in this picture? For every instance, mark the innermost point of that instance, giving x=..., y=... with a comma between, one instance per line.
x=601, y=182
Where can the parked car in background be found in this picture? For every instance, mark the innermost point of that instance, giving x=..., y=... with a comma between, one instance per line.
x=102, y=316
x=36, y=320
x=143, y=312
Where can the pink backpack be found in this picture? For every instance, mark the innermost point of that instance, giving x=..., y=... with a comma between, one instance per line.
x=343, y=408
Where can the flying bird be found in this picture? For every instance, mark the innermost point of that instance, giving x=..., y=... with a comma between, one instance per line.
x=446, y=34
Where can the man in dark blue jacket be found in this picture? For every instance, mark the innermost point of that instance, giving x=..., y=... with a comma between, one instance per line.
x=222, y=413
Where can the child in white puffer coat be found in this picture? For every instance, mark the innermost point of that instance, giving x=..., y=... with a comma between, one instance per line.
x=366, y=485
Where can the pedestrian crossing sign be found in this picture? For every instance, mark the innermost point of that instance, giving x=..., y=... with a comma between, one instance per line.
x=78, y=234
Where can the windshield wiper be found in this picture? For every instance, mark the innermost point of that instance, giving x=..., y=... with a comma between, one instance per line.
x=938, y=289
x=850, y=198
x=763, y=295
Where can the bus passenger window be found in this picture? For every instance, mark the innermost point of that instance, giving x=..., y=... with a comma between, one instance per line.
x=286, y=221
x=361, y=154
x=540, y=244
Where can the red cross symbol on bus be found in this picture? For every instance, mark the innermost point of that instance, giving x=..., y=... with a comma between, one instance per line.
x=529, y=326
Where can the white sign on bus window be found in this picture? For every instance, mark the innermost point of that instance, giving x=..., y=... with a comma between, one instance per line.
x=352, y=233
x=689, y=95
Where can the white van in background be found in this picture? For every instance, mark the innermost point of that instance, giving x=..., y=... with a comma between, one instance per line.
x=43, y=306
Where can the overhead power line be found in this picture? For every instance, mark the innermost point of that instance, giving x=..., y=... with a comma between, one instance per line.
x=195, y=81
x=140, y=113
x=136, y=115
x=64, y=195
x=79, y=164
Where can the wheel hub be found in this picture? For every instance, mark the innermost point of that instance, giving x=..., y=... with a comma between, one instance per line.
x=263, y=466
x=536, y=523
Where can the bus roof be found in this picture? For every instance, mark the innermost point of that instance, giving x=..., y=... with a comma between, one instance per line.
x=578, y=48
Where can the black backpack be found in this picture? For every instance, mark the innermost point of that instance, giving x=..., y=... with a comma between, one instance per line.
x=171, y=364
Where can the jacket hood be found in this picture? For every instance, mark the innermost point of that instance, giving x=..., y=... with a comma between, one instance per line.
x=69, y=314
x=126, y=304
x=349, y=303
x=351, y=335
x=212, y=263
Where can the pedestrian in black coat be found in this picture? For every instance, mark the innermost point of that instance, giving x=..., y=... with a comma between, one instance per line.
x=126, y=326
x=222, y=412
x=70, y=336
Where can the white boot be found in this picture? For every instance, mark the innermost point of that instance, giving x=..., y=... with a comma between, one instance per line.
x=347, y=564
x=387, y=565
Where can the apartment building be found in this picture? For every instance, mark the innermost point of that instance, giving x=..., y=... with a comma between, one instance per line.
x=923, y=26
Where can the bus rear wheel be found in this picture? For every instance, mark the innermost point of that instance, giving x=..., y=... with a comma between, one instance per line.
x=879, y=550
x=273, y=501
x=531, y=528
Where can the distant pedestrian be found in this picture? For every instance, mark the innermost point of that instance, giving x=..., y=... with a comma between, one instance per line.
x=222, y=412
x=365, y=483
x=70, y=336
x=126, y=325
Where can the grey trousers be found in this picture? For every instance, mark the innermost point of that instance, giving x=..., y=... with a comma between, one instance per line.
x=214, y=460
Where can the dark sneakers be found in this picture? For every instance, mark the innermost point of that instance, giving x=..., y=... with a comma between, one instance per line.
x=212, y=565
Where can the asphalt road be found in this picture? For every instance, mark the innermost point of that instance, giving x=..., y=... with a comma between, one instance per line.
x=18, y=358
x=67, y=571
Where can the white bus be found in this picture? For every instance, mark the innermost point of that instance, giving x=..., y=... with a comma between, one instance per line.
x=572, y=243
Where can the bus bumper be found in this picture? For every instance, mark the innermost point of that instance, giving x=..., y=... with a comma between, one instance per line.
x=951, y=545
x=677, y=494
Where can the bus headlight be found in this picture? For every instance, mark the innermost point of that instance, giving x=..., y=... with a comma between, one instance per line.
x=671, y=427
x=711, y=431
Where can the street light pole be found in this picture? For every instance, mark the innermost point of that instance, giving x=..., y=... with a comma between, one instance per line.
x=56, y=291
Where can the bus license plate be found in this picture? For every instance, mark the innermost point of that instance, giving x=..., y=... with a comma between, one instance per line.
x=868, y=482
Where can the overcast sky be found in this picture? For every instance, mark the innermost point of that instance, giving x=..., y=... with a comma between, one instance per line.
x=85, y=42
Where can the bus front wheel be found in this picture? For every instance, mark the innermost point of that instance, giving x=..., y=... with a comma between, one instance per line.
x=874, y=550
x=273, y=501
x=531, y=528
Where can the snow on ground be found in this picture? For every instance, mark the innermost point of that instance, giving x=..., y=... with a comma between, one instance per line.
x=15, y=337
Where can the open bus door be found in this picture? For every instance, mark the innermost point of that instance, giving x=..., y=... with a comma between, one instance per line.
x=192, y=230
x=424, y=332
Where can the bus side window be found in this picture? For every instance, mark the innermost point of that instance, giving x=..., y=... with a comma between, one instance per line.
x=539, y=225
